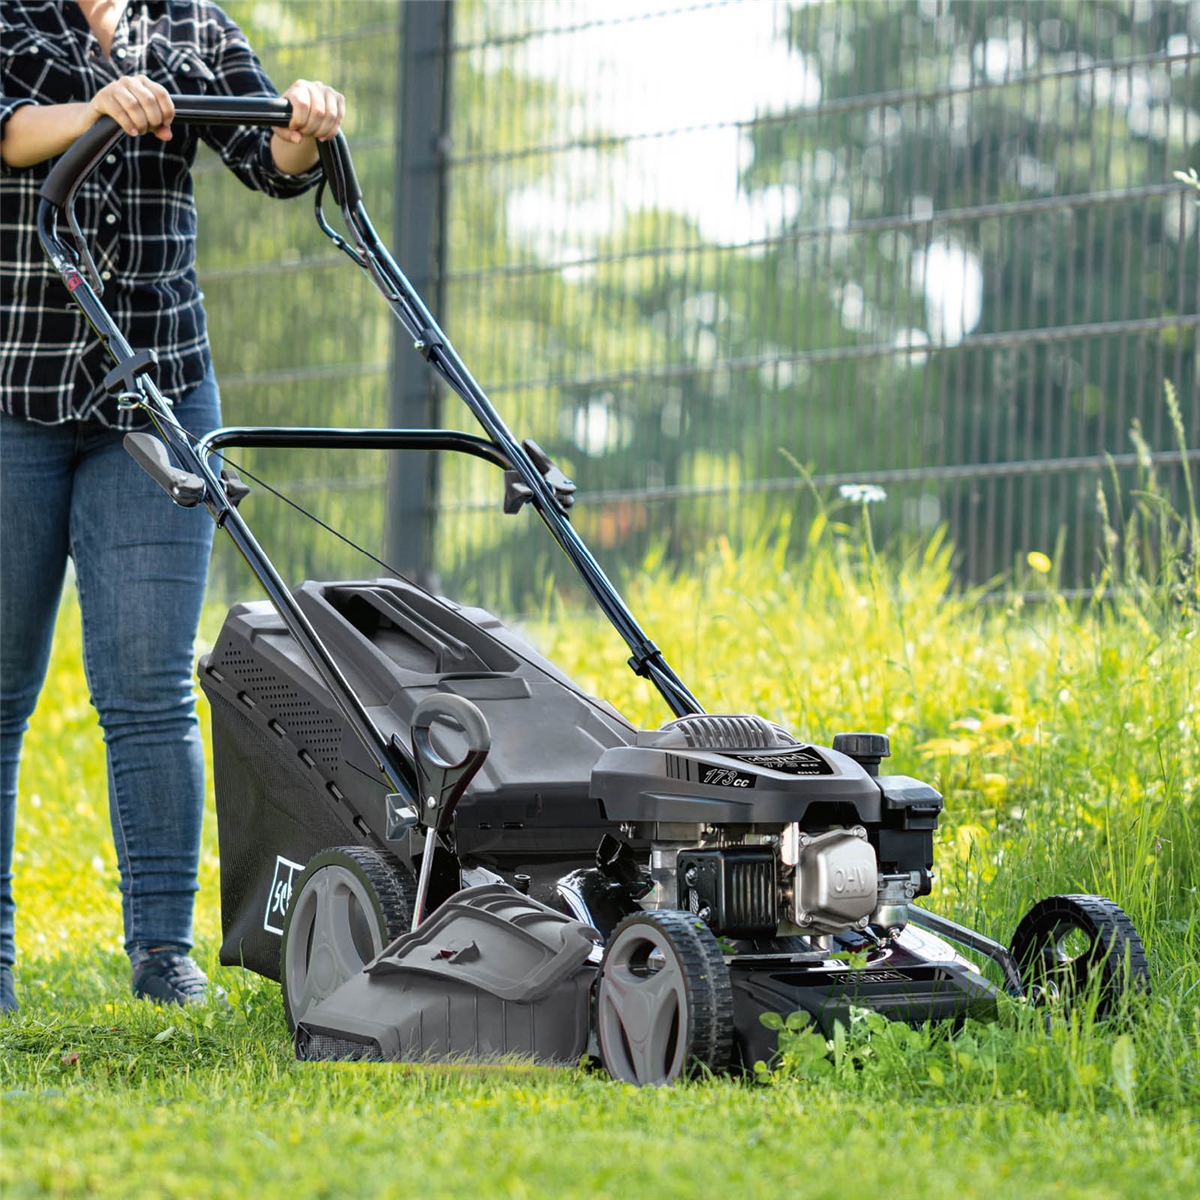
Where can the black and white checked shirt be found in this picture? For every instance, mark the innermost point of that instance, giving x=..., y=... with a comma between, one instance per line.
x=137, y=210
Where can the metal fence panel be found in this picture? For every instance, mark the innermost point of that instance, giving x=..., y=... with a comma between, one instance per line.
x=721, y=259
x=297, y=335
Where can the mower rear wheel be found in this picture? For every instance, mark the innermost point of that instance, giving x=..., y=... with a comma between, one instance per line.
x=664, y=1002
x=1067, y=945
x=350, y=902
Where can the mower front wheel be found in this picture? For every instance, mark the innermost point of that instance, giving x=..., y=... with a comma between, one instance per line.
x=1066, y=946
x=664, y=1002
x=350, y=902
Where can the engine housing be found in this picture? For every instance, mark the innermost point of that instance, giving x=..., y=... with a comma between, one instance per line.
x=761, y=835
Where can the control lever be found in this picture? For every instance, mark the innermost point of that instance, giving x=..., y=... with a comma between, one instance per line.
x=150, y=453
x=517, y=493
x=441, y=784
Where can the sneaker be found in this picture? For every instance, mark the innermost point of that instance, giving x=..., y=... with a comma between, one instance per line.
x=8, y=993
x=170, y=977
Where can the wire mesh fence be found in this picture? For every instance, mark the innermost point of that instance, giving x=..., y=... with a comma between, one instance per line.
x=297, y=337
x=727, y=262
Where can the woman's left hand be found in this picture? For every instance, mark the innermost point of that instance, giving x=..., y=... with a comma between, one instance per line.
x=317, y=112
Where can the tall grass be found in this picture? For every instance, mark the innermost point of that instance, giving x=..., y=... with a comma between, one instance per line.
x=1063, y=733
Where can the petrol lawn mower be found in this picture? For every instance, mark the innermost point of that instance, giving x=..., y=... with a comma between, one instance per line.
x=443, y=848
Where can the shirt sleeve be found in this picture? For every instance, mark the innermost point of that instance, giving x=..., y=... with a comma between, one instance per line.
x=246, y=150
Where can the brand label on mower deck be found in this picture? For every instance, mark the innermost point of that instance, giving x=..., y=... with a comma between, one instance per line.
x=803, y=760
x=280, y=893
x=867, y=975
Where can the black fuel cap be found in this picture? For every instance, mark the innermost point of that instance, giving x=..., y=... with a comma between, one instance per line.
x=863, y=747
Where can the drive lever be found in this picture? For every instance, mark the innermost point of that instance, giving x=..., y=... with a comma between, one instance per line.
x=186, y=489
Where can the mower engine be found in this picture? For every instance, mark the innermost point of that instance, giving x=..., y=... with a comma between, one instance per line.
x=762, y=836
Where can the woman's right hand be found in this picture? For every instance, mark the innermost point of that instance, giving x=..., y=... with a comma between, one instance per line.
x=137, y=104
x=36, y=132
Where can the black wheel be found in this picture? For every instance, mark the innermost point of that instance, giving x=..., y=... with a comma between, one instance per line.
x=664, y=1003
x=350, y=902
x=1065, y=945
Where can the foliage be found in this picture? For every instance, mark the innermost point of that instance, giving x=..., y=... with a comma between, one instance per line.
x=1064, y=1063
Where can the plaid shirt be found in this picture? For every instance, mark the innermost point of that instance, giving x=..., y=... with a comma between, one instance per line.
x=137, y=210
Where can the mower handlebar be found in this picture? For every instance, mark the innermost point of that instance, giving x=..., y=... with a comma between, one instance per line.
x=58, y=194
x=80, y=158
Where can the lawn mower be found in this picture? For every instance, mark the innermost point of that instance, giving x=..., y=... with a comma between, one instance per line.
x=443, y=848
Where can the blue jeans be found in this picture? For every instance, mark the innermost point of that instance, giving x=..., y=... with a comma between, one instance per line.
x=140, y=568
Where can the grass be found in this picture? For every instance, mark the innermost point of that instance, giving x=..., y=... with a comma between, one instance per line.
x=1067, y=741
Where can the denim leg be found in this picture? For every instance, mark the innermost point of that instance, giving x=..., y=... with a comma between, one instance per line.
x=35, y=496
x=141, y=564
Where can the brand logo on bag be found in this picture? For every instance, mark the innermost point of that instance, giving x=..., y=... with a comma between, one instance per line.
x=280, y=893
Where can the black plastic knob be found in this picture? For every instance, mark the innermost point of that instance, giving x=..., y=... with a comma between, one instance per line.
x=865, y=748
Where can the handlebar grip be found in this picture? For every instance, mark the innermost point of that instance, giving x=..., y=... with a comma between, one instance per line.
x=232, y=110
x=189, y=110
x=74, y=161
x=339, y=172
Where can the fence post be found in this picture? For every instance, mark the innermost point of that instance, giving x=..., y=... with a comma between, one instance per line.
x=417, y=222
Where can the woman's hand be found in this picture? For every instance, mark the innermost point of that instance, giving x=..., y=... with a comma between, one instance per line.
x=137, y=104
x=36, y=132
x=317, y=112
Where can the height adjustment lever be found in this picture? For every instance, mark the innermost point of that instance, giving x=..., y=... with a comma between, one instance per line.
x=150, y=453
x=440, y=782
x=517, y=493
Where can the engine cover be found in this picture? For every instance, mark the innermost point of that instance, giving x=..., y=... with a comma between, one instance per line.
x=837, y=879
x=721, y=770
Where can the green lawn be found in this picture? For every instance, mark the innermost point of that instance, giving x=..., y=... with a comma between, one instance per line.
x=1067, y=742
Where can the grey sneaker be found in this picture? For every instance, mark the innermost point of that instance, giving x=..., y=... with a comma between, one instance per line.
x=170, y=977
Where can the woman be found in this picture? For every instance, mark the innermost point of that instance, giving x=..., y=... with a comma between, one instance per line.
x=68, y=487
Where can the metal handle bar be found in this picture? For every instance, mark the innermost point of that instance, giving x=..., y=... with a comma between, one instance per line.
x=82, y=157
x=436, y=348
